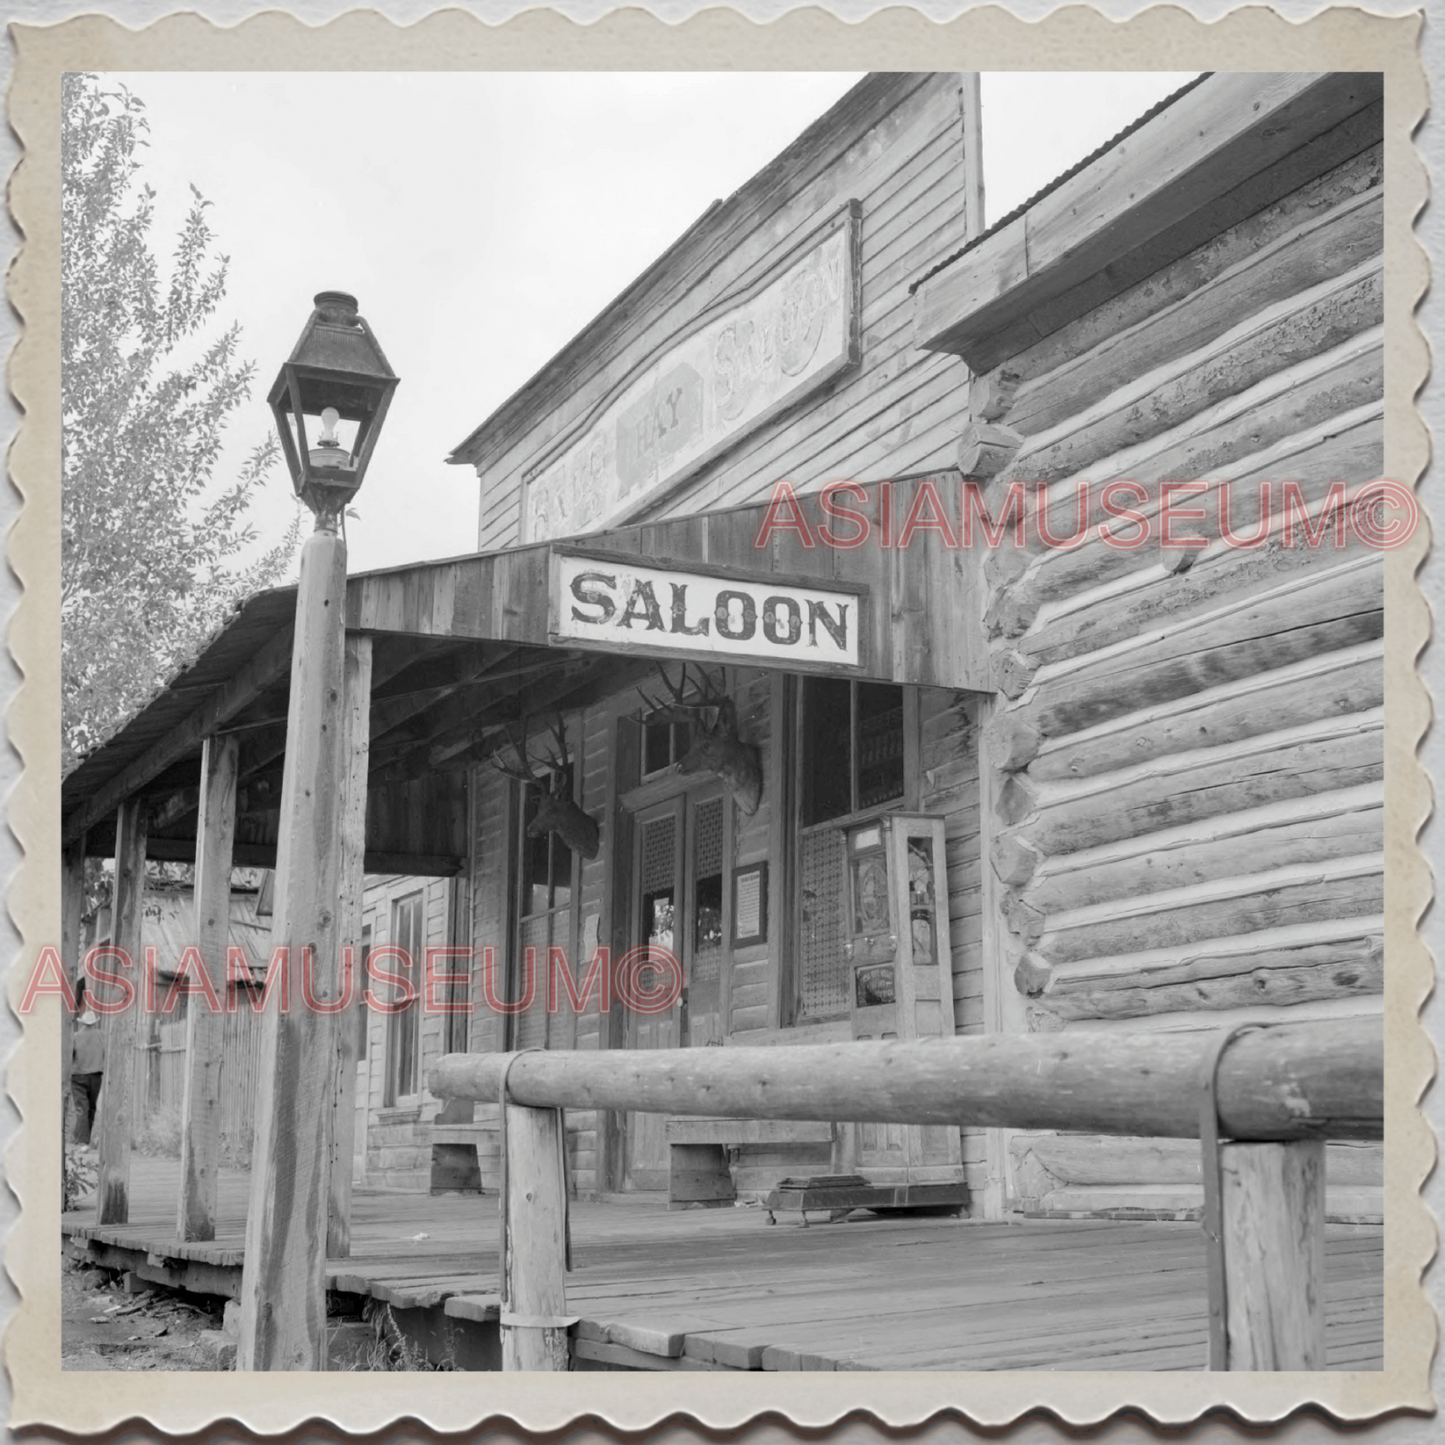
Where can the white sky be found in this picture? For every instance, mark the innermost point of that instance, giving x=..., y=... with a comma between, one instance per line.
x=483, y=219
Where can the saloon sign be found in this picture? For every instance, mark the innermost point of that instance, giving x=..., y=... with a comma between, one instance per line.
x=739, y=365
x=620, y=605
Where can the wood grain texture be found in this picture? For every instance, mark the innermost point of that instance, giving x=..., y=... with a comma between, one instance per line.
x=201, y=1110
x=117, y=1117
x=283, y=1297
x=1136, y=1085
x=536, y=1284
x=357, y=673
x=1273, y=1202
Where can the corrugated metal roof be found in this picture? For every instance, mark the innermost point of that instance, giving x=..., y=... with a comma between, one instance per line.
x=1059, y=179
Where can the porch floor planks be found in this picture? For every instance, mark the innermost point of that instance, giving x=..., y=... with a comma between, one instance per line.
x=870, y=1293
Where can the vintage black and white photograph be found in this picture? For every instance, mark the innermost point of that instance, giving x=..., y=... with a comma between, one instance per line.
x=723, y=721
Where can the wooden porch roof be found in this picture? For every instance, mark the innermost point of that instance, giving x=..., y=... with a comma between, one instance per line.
x=460, y=650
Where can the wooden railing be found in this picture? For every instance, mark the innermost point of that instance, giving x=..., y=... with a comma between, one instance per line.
x=1277, y=1094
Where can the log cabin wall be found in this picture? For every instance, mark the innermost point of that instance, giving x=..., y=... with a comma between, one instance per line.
x=896, y=145
x=1189, y=802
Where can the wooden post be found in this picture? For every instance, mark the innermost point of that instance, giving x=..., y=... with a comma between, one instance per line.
x=201, y=1125
x=113, y=1189
x=353, y=884
x=1273, y=1208
x=283, y=1281
x=72, y=903
x=535, y=1287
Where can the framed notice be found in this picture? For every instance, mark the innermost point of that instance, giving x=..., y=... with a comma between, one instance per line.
x=750, y=905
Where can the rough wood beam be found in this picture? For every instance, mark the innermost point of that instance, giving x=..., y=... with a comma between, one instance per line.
x=283, y=1283
x=205, y=1030
x=1317, y=1080
x=263, y=669
x=392, y=713
x=72, y=902
x=118, y=1113
x=1273, y=1216
x=353, y=884
x=534, y=1292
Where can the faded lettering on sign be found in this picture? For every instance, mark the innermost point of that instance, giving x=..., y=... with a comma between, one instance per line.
x=704, y=393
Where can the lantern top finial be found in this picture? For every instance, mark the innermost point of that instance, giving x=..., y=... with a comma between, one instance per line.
x=338, y=307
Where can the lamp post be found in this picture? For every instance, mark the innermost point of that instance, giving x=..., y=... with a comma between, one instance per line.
x=337, y=378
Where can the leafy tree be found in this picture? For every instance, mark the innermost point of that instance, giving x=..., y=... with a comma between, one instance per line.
x=151, y=546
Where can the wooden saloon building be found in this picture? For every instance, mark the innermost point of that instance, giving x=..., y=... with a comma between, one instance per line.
x=861, y=772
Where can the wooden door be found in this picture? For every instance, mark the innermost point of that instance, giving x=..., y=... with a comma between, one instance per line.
x=658, y=923
x=705, y=939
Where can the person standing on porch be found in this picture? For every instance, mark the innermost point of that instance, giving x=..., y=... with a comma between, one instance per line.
x=87, y=1071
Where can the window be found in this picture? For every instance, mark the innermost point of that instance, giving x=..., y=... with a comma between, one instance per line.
x=403, y=1035
x=663, y=743
x=544, y=912
x=852, y=747
x=852, y=751
x=456, y=1025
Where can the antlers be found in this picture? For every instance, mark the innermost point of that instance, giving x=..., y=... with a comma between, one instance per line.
x=558, y=761
x=708, y=693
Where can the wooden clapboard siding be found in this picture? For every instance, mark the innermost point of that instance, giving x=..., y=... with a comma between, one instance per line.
x=398, y=1137
x=895, y=144
x=1189, y=824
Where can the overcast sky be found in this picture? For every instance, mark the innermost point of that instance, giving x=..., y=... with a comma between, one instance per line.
x=483, y=220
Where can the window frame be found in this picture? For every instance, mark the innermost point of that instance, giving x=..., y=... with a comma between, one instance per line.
x=520, y=917
x=404, y=1024
x=790, y=1011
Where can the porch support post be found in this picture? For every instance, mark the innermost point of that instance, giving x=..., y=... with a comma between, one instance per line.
x=283, y=1281
x=352, y=1019
x=72, y=904
x=1273, y=1215
x=534, y=1290
x=113, y=1189
x=205, y=1029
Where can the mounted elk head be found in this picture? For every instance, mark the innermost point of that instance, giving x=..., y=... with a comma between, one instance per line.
x=556, y=812
x=716, y=747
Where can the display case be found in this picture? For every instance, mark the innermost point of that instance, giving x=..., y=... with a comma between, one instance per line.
x=896, y=927
x=898, y=951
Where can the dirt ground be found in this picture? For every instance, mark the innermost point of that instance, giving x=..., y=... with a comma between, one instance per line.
x=104, y=1328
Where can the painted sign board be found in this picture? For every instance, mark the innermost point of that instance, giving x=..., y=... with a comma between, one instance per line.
x=621, y=604
x=738, y=366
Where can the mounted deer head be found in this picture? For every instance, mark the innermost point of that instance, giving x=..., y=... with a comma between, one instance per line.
x=716, y=747
x=556, y=812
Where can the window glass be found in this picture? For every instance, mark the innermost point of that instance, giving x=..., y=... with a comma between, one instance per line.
x=852, y=747
x=879, y=744
x=407, y=917
x=827, y=710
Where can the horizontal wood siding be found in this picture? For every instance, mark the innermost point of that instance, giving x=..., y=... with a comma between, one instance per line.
x=895, y=144
x=398, y=1138
x=1190, y=828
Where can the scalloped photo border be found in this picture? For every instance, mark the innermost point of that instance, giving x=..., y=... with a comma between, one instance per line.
x=988, y=39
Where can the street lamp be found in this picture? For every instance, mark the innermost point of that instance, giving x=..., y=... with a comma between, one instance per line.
x=336, y=378
x=336, y=375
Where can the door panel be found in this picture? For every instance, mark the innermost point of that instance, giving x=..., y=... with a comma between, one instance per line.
x=657, y=874
x=705, y=937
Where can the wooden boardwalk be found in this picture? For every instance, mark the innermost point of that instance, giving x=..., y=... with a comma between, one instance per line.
x=710, y=1289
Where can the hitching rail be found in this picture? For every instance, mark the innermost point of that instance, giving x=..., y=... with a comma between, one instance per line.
x=1278, y=1093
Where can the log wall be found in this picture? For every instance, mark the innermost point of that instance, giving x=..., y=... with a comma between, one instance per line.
x=896, y=145
x=1189, y=822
